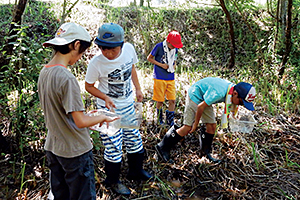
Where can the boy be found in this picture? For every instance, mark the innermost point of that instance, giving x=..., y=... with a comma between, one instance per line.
x=201, y=96
x=114, y=69
x=68, y=146
x=163, y=56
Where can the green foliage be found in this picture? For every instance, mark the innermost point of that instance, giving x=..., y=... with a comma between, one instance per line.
x=95, y=135
x=206, y=49
x=19, y=98
x=20, y=81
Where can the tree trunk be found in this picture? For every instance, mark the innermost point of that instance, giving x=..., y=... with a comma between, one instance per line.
x=283, y=14
x=12, y=35
x=16, y=21
x=288, y=37
x=277, y=27
x=231, y=32
x=4, y=59
x=141, y=3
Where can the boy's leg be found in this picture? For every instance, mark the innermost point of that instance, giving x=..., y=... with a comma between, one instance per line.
x=171, y=96
x=184, y=130
x=170, y=117
x=206, y=140
x=82, y=186
x=207, y=134
x=171, y=106
x=170, y=139
x=79, y=176
x=211, y=128
x=59, y=187
x=159, y=105
x=113, y=146
x=175, y=134
x=113, y=158
x=112, y=171
x=135, y=152
x=136, y=171
x=170, y=114
x=159, y=112
x=159, y=89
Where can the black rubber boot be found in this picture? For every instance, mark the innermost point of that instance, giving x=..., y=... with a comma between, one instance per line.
x=169, y=141
x=112, y=171
x=205, y=140
x=136, y=171
x=170, y=117
x=160, y=116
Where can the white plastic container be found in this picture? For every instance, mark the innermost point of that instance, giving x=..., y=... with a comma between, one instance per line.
x=135, y=119
x=113, y=126
x=243, y=124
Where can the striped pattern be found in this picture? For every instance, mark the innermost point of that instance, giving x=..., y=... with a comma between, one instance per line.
x=130, y=138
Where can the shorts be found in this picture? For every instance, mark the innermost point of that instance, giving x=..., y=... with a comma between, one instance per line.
x=162, y=89
x=208, y=115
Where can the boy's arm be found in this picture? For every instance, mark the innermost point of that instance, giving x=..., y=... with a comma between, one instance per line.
x=200, y=109
x=81, y=120
x=151, y=59
x=135, y=80
x=97, y=93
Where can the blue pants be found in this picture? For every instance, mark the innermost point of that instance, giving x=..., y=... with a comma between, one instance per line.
x=131, y=138
x=72, y=178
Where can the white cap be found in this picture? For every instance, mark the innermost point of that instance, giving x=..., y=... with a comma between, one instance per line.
x=67, y=33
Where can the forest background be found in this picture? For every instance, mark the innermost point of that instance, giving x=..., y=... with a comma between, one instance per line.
x=235, y=40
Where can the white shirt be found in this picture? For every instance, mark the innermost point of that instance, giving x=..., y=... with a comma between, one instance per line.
x=114, y=76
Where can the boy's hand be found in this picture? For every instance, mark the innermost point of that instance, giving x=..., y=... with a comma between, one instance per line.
x=109, y=104
x=164, y=66
x=108, y=119
x=194, y=127
x=139, y=95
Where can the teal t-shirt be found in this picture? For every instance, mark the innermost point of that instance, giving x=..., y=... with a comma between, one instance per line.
x=211, y=90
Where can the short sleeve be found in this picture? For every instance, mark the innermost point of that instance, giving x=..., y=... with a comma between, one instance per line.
x=71, y=97
x=134, y=55
x=92, y=73
x=154, y=51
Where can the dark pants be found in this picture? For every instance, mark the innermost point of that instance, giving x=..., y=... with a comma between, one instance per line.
x=72, y=178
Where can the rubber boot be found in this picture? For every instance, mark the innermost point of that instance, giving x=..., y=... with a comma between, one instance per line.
x=112, y=171
x=170, y=117
x=170, y=139
x=205, y=140
x=136, y=171
x=160, y=116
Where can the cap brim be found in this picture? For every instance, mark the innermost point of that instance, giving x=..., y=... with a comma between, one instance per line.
x=56, y=41
x=107, y=44
x=178, y=46
x=248, y=105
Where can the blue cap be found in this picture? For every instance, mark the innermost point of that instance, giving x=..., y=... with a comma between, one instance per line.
x=247, y=92
x=110, y=35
